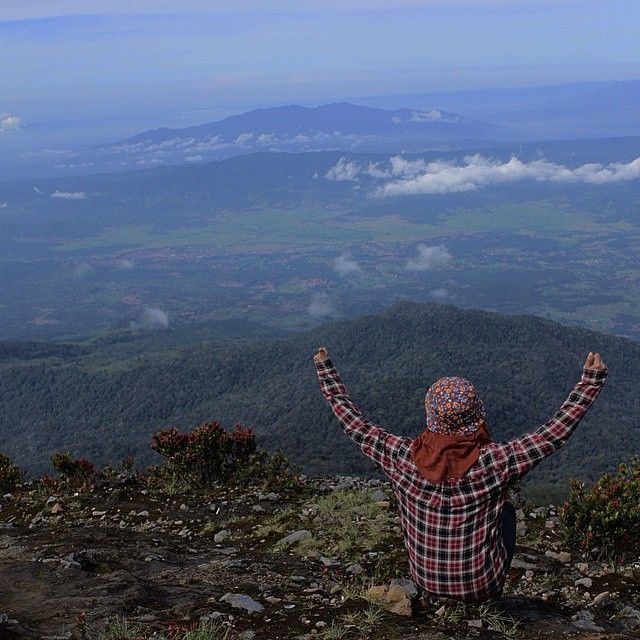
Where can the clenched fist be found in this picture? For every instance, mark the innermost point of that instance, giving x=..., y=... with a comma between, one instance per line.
x=321, y=355
x=594, y=361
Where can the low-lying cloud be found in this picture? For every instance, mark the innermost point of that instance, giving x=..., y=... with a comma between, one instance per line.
x=437, y=257
x=69, y=195
x=344, y=265
x=320, y=306
x=152, y=319
x=9, y=123
x=413, y=177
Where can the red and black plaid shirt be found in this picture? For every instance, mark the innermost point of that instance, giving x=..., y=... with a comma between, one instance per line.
x=452, y=530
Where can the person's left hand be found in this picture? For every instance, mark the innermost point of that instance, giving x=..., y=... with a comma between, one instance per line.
x=321, y=355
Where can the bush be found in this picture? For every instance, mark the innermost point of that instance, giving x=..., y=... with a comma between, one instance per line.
x=607, y=515
x=10, y=474
x=208, y=454
x=272, y=470
x=76, y=471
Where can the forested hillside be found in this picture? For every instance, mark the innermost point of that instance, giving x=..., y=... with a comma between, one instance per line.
x=105, y=403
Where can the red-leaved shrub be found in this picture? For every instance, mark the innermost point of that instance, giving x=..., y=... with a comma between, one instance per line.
x=73, y=470
x=10, y=474
x=207, y=454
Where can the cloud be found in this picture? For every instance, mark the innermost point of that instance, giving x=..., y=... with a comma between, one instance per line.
x=343, y=170
x=39, y=191
x=68, y=195
x=430, y=258
x=82, y=270
x=442, y=295
x=346, y=266
x=411, y=177
x=478, y=171
x=9, y=123
x=152, y=319
x=320, y=306
x=3, y=205
x=243, y=137
x=123, y=263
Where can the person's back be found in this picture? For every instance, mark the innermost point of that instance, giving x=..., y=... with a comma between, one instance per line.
x=451, y=481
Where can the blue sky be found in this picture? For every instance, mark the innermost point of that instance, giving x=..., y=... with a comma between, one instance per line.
x=189, y=61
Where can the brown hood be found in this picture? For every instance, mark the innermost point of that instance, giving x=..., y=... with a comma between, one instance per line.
x=440, y=457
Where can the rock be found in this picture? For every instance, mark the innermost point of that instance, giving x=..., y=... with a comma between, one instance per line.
x=441, y=611
x=294, y=537
x=582, y=567
x=242, y=601
x=58, y=507
x=602, y=599
x=183, y=507
x=564, y=557
x=393, y=598
x=222, y=535
x=584, y=582
x=407, y=585
x=143, y=514
x=378, y=495
x=477, y=624
x=354, y=569
x=584, y=620
x=516, y=563
x=98, y=514
x=258, y=507
x=329, y=561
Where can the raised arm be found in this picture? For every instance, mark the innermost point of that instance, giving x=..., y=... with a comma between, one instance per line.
x=524, y=453
x=374, y=441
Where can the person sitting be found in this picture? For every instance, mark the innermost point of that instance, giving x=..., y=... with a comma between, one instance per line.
x=451, y=481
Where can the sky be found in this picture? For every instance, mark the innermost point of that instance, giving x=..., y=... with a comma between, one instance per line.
x=112, y=67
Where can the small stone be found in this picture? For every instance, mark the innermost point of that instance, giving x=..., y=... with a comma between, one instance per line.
x=354, y=569
x=441, y=611
x=392, y=598
x=222, y=535
x=242, y=601
x=378, y=495
x=602, y=599
x=477, y=624
x=564, y=557
x=407, y=585
x=550, y=524
x=584, y=582
x=584, y=620
x=58, y=507
x=183, y=507
x=98, y=514
x=582, y=567
x=258, y=507
x=294, y=537
x=143, y=514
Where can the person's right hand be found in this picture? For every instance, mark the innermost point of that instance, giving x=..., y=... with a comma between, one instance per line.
x=594, y=361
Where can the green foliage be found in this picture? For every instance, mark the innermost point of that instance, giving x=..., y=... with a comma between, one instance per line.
x=75, y=471
x=10, y=474
x=607, y=515
x=208, y=454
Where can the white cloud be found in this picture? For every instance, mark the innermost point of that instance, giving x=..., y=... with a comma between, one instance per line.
x=82, y=269
x=68, y=195
x=478, y=171
x=346, y=266
x=343, y=170
x=3, y=205
x=442, y=295
x=410, y=177
x=123, y=263
x=320, y=306
x=39, y=191
x=152, y=319
x=243, y=137
x=436, y=257
x=9, y=123
x=195, y=158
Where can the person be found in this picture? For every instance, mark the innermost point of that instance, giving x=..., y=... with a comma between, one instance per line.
x=451, y=481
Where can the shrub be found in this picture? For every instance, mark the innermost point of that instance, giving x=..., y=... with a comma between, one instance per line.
x=607, y=515
x=76, y=471
x=207, y=454
x=272, y=470
x=10, y=474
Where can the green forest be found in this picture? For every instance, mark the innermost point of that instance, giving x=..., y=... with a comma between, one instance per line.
x=104, y=400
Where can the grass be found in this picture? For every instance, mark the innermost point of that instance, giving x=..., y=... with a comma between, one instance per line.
x=119, y=628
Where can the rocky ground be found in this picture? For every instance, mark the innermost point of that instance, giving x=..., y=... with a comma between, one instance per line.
x=124, y=558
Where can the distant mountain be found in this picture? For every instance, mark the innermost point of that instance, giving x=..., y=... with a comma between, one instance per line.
x=294, y=128
x=106, y=403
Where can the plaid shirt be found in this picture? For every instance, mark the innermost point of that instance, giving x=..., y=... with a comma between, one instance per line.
x=452, y=530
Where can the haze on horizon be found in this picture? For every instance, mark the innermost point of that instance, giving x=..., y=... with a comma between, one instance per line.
x=86, y=72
